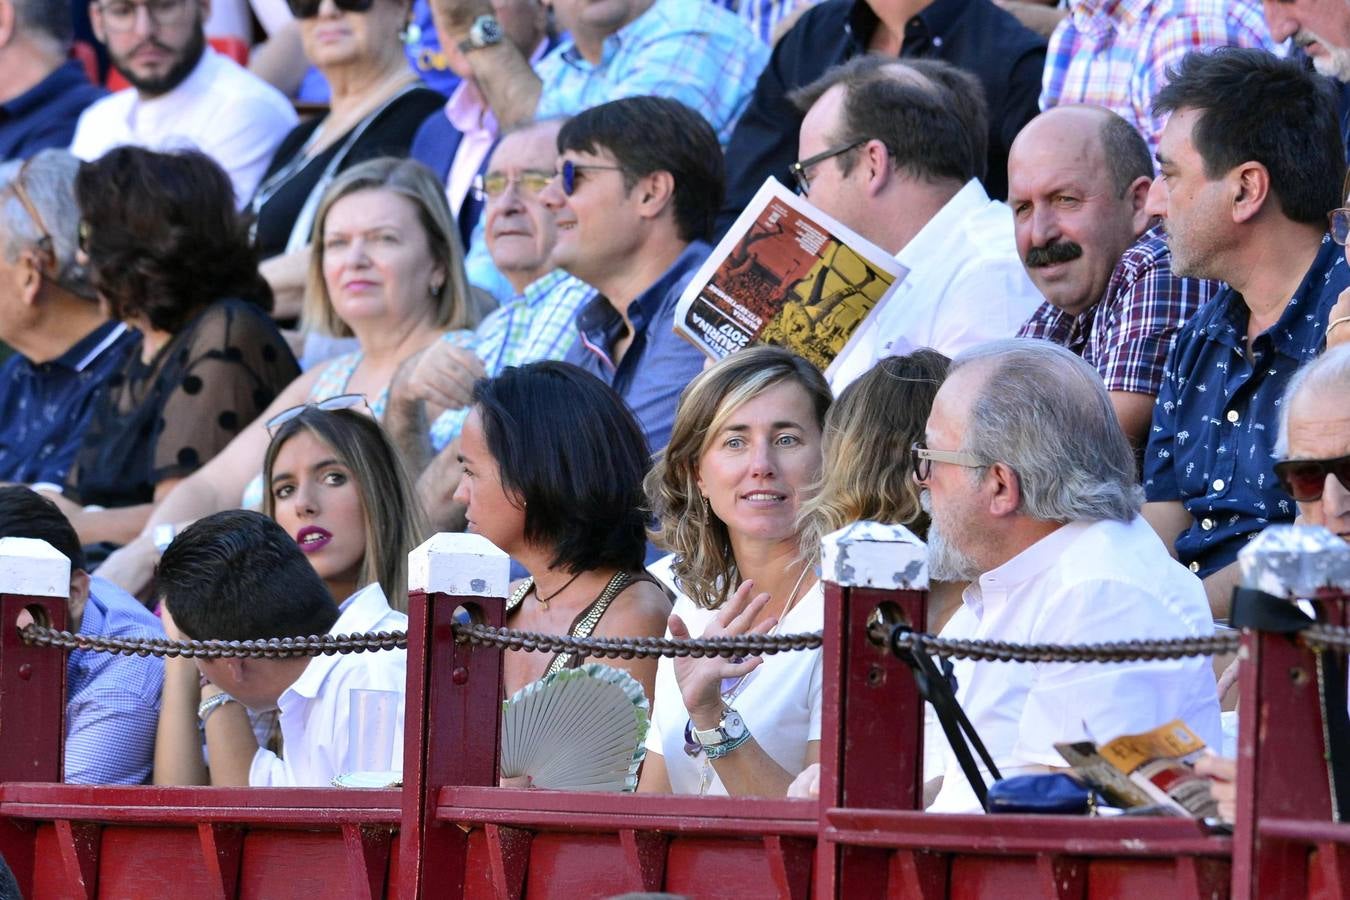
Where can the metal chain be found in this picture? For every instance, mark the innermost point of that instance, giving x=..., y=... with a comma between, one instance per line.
x=1319, y=637
x=903, y=640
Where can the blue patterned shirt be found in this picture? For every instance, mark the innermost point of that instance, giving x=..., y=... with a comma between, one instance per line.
x=112, y=701
x=1212, y=446
x=764, y=16
x=44, y=407
x=658, y=362
x=535, y=326
x=694, y=52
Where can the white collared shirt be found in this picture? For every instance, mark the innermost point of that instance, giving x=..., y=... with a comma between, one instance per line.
x=965, y=285
x=1086, y=583
x=222, y=109
x=314, y=710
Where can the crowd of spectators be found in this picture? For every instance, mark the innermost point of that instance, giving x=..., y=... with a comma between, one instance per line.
x=286, y=287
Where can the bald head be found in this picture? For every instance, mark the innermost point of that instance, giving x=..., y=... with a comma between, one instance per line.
x=1078, y=179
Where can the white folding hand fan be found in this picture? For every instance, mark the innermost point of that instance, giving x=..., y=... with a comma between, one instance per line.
x=576, y=730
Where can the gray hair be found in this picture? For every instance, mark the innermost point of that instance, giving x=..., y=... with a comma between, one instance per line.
x=1330, y=371
x=48, y=181
x=46, y=17
x=1045, y=413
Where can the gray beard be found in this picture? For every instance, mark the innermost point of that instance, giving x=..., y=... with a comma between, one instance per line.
x=945, y=562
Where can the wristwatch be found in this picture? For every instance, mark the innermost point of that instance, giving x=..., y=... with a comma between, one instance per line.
x=485, y=31
x=729, y=729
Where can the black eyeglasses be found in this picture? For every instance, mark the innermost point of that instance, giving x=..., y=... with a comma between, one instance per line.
x=569, y=171
x=494, y=184
x=800, y=167
x=341, y=401
x=921, y=459
x=1304, y=479
x=308, y=9
x=1340, y=225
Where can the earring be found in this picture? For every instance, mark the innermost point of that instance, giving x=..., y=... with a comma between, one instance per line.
x=434, y=290
x=707, y=508
x=410, y=34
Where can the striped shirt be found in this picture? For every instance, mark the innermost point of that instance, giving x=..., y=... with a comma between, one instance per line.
x=1126, y=335
x=1116, y=53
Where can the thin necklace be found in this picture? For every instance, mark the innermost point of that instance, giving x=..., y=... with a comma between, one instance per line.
x=543, y=601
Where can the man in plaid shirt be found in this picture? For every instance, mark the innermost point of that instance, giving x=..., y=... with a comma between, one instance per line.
x=1117, y=53
x=1078, y=179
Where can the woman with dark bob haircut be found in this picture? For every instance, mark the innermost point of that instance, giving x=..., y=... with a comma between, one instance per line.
x=553, y=466
x=169, y=256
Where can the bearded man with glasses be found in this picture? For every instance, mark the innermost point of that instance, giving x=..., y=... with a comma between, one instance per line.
x=182, y=94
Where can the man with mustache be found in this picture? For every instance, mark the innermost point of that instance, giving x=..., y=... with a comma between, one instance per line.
x=1034, y=501
x=182, y=94
x=894, y=149
x=1078, y=177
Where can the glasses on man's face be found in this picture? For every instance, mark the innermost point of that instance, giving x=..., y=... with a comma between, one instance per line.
x=802, y=166
x=492, y=185
x=120, y=15
x=568, y=172
x=341, y=401
x=20, y=191
x=1305, y=479
x=921, y=459
x=308, y=9
x=1340, y=225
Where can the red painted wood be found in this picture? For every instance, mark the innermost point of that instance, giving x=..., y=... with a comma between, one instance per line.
x=190, y=805
x=917, y=874
x=645, y=854
x=451, y=728
x=78, y=844
x=790, y=865
x=222, y=852
x=1186, y=878
x=719, y=867
x=569, y=866
x=141, y=861
x=1329, y=872
x=291, y=863
x=367, y=859
x=991, y=878
x=872, y=708
x=509, y=851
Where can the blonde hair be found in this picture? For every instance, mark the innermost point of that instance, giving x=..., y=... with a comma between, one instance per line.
x=704, y=564
x=395, y=522
x=868, y=433
x=409, y=179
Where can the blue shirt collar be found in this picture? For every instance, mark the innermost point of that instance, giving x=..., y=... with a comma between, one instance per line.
x=599, y=316
x=68, y=75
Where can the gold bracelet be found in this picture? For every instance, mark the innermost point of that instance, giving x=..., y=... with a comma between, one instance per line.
x=1339, y=320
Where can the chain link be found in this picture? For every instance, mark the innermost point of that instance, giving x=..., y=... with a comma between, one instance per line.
x=903, y=641
x=1319, y=637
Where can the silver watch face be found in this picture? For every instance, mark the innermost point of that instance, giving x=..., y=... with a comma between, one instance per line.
x=485, y=31
x=732, y=725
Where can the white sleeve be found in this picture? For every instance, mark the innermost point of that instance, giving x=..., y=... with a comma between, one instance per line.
x=988, y=299
x=269, y=770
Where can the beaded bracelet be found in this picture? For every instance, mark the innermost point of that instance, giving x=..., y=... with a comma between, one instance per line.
x=717, y=751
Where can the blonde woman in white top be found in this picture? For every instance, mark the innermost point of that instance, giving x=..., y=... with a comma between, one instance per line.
x=744, y=454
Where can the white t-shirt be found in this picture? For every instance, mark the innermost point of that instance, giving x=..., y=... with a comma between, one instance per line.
x=314, y=710
x=221, y=109
x=1086, y=583
x=966, y=285
x=779, y=701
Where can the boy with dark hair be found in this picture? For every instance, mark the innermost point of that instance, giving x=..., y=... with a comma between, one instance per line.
x=112, y=701
x=238, y=575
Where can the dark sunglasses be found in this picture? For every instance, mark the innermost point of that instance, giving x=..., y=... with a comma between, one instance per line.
x=1304, y=479
x=1340, y=225
x=308, y=9
x=569, y=171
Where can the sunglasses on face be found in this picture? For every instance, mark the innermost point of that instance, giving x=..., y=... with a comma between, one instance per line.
x=341, y=401
x=308, y=9
x=568, y=171
x=1304, y=479
x=492, y=185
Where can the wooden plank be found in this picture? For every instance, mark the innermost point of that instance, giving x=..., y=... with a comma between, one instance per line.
x=78, y=844
x=509, y=852
x=222, y=849
x=1329, y=872
x=645, y=853
x=917, y=875
x=367, y=859
x=790, y=865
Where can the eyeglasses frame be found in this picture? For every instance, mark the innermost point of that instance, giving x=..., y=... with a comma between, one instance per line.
x=340, y=401
x=482, y=195
x=1328, y=467
x=799, y=168
x=922, y=457
x=180, y=7
x=567, y=173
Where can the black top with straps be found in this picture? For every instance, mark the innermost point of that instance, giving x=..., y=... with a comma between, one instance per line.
x=584, y=624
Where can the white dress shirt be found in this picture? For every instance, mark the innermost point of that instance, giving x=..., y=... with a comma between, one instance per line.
x=779, y=701
x=221, y=109
x=1087, y=582
x=314, y=710
x=965, y=285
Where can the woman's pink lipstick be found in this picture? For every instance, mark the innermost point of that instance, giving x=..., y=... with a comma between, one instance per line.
x=312, y=538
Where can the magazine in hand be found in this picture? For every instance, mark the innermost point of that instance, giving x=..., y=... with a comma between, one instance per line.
x=786, y=274
x=1149, y=769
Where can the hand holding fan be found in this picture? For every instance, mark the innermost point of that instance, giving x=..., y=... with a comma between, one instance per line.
x=576, y=730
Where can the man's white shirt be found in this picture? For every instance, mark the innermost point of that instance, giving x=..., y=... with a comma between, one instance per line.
x=221, y=109
x=965, y=285
x=1087, y=582
x=315, y=709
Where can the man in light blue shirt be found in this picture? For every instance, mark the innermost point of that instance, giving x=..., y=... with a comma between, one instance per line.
x=112, y=701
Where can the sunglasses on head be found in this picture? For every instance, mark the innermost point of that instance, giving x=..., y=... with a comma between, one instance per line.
x=1304, y=479
x=308, y=9
x=341, y=401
